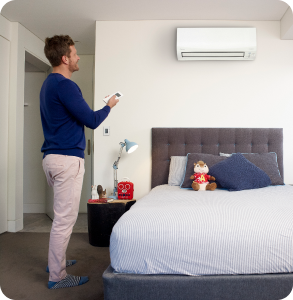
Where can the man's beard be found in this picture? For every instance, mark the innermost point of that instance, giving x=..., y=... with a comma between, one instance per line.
x=73, y=68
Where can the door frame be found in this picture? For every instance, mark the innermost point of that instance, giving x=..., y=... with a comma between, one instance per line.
x=5, y=52
x=21, y=40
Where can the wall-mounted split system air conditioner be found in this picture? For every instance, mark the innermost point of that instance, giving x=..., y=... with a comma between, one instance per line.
x=216, y=43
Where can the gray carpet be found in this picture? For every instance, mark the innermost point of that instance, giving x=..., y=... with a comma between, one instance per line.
x=23, y=261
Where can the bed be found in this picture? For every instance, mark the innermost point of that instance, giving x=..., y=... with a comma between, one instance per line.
x=146, y=265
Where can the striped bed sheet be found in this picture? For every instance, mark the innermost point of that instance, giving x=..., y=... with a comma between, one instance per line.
x=177, y=231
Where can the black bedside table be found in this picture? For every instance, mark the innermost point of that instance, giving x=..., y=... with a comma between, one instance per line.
x=102, y=218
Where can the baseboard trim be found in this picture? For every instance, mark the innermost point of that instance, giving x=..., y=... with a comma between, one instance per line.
x=34, y=208
x=14, y=226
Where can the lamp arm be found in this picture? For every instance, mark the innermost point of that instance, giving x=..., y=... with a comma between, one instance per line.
x=115, y=168
x=115, y=165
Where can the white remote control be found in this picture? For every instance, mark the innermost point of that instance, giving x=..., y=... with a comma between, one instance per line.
x=118, y=96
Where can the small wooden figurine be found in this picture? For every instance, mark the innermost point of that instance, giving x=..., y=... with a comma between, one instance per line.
x=102, y=194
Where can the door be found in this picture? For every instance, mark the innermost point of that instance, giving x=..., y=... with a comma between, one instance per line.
x=4, y=97
x=84, y=79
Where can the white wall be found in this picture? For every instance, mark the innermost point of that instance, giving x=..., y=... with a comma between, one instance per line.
x=5, y=35
x=286, y=25
x=5, y=28
x=138, y=58
x=34, y=179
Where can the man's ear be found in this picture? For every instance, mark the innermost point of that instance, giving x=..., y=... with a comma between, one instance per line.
x=65, y=60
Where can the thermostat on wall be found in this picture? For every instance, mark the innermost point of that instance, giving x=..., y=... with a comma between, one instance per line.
x=106, y=130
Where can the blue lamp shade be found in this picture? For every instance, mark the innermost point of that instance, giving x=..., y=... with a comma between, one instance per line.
x=130, y=146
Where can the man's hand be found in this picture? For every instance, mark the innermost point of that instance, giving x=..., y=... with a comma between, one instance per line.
x=112, y=101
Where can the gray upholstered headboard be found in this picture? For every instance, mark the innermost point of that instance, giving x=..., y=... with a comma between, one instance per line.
x=167, y=142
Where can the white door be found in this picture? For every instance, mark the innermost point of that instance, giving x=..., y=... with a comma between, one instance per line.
x=84, y=79
x=4, y=96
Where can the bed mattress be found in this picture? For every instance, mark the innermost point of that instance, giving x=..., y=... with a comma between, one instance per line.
x=176, y=231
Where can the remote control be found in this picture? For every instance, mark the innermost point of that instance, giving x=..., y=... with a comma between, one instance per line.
x=118, y=96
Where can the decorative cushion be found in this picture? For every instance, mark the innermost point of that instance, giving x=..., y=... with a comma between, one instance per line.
x=192, y=158
x=265, y=161
x=236, y=173
x=177, y=169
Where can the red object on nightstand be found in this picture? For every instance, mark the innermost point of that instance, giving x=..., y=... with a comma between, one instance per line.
x=125, y=190
x=103, y=200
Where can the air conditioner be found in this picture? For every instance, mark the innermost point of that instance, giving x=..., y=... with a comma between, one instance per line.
x=216, y=43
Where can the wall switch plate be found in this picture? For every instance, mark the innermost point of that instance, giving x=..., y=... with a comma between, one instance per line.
x=106, y=130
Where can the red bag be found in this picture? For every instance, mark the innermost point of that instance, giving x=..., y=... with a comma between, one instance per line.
x=125, y=190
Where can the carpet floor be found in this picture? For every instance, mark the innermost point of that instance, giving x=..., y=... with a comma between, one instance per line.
x=24, y=258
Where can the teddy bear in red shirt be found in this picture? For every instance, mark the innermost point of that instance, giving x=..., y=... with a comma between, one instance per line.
x=201, y=178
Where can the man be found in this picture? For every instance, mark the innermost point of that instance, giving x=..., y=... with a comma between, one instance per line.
x=64, y=113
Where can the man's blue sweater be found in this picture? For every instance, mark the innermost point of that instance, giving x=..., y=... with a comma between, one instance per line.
x=64, y=113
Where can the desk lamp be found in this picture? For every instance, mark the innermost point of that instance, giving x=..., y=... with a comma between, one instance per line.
x=130, y=147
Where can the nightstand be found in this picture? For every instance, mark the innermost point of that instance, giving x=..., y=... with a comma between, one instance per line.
x=102, y=218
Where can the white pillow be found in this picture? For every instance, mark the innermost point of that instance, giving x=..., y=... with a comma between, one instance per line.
x=177, y=170
x=225, y=154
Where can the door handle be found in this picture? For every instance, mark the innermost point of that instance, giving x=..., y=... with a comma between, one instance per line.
x=88, y=147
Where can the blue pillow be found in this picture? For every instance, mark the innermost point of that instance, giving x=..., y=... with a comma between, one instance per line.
x=236, y=173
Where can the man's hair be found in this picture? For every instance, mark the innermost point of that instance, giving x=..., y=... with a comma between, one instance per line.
x=56, y=47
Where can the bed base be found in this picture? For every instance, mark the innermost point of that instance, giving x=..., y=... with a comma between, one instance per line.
x=181, y=287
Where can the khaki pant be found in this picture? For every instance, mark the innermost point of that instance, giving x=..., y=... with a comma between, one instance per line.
x=65, y=174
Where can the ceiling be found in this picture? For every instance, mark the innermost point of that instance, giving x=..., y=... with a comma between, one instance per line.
x=77, y=17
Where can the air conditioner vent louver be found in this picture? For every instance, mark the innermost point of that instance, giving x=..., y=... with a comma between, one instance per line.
x=212, y=54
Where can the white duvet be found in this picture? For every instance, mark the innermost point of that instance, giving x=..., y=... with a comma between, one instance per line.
x=177, y=231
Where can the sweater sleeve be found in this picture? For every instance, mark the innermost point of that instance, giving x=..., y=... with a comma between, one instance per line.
x=71, y=97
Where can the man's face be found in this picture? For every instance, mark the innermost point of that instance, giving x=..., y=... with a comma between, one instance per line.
x=73, y=60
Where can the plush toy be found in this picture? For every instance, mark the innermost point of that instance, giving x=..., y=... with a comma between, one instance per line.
x=201, y=178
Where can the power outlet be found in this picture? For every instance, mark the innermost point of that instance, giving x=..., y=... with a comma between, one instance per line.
x=106, y=130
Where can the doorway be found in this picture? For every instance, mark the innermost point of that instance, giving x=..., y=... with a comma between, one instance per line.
x=38, y=196
x=34, y=180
